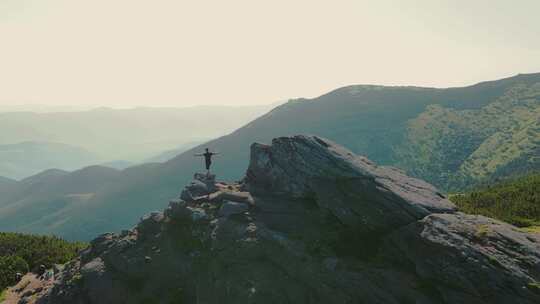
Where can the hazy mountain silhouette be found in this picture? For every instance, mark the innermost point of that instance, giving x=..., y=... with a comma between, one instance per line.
x=170, y=154
x=118, y=164
x=6, y=183
x=391, y=125
x=126, y=134
x=27, y=158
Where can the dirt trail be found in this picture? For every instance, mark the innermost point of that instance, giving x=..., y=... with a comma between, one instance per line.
x=30, y=287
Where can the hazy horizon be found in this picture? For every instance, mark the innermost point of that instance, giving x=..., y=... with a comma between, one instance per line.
x=52, y=108
x=124, y=54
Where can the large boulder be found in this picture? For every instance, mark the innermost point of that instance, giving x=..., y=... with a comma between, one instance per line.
x=150, y=223
x=230, y=208
x=354, y=188
x=98, y=281
x=202, y=185
x=470, y=258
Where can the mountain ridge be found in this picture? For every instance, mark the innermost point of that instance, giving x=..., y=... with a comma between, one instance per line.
x=377, y=125
x=28, y=158
x=125, y=134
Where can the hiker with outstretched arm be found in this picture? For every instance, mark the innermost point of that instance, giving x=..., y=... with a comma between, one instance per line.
x=207, y=158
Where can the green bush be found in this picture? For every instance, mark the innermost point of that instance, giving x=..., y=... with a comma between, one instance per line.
x=9, y=266
x=516, y=202
x=37, y=250
x=23, y=253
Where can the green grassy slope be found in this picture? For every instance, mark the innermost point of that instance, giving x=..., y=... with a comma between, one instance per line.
x=515, y=201
x=40, y=203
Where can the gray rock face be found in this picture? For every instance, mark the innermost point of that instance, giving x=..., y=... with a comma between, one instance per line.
x=201, y=185
x=99, y=282
x=230, y=208
x=354, y=188
x=312, y=223
x=182, y=212
x=150, y=224
x=471, y=257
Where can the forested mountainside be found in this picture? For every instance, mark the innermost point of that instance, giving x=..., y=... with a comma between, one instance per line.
x=513, y=201
x=454, y=147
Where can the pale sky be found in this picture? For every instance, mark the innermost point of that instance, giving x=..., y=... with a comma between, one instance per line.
x=179, y=52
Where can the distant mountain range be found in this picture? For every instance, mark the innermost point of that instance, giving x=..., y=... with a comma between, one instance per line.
x=118, y=137
x=6, y=183
x=170, y=154
x=36, y=108
x=27, y=158
x=452, y=137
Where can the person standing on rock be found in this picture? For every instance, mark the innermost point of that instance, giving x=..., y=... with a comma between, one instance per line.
x=208, y=159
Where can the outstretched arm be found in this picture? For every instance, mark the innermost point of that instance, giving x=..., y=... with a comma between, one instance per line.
x=197, y=154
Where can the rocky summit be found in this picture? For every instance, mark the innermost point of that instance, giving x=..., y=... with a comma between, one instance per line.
x=310, y=223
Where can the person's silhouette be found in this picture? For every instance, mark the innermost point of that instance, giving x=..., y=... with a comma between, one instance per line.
x=207, y=159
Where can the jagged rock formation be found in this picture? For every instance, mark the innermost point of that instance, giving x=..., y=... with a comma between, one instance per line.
x=310, y=223
x=358, y=192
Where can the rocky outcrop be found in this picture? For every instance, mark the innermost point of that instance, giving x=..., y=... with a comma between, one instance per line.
x=356, y=190
x=202, y=184
x=471, y=257
x=310, y=223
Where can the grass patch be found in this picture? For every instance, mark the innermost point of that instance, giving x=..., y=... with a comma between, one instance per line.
x=482, y=231
x=531, y=229
x=2, y=295
x=534, y=286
